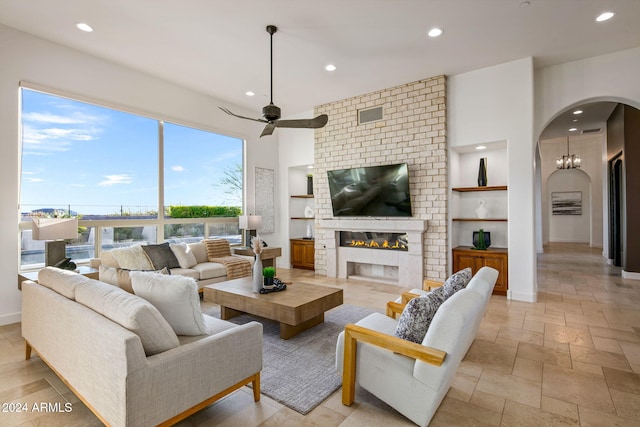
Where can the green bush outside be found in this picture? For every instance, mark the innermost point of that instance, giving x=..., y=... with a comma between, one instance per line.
x=203, y=211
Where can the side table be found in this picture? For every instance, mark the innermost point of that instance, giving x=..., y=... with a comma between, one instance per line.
x=91, y=273
x=268, y=256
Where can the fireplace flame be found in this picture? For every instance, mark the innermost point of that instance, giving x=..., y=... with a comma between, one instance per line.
x=373, y=244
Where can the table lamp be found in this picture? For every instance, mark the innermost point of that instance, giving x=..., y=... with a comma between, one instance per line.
x=54, y=231
x=249, y=223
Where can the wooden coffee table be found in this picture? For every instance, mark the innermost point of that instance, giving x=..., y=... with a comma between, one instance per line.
x=300, y=307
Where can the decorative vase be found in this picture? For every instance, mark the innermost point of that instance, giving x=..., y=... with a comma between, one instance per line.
x=309, y=231
x=482, y=173
x=257, y=274
x=309, y=185
x=482, y=210
x=481, y=239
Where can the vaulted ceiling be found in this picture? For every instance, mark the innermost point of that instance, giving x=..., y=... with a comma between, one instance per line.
x=221, y=47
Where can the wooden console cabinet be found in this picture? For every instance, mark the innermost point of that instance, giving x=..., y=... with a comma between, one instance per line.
x=303, y=253
x=498, y=258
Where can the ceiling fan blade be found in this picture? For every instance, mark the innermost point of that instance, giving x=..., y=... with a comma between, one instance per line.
x=268, y=130
x=226, y=110
x=314, y=123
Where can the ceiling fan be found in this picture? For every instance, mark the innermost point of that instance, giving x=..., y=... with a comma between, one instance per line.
x=271, y=113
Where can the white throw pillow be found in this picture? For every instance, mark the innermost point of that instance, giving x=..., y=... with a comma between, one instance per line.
x=175, y=297
x=184, y=254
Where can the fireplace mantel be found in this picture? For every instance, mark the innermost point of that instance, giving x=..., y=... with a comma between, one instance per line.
x=409, y=263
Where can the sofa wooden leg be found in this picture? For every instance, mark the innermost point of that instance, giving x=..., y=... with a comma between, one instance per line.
x=349, y=369
x=256, y=387
x=27, y=351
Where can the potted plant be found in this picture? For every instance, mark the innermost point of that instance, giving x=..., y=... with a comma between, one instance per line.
x=268, y=273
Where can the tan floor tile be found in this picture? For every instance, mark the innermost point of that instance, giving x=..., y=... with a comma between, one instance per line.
x=510, y=387
x=631, y=351
x=519, y=415
x=544, y=354
x=491, y=356
x=586, y=367
x=563, y=307
x=607, y=344
x=453, y=412
x=590, y=417
x=622, y=380
x=546, y=318
x=462, y=387
x=559, y=407
x=598, y=357
x=529, y=369
x=488, y=401
x=595, y=319
x=627, y=404
x=564, y=334
x=577, y=387
x=532, y=325
x=334, y=402
x=521, y=335
x=616, y=334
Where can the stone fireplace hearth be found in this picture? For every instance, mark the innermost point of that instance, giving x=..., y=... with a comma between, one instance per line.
x=400, y=267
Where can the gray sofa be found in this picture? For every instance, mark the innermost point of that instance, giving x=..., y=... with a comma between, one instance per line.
x=122, y=359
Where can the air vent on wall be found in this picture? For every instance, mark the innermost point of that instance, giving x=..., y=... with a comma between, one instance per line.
x=596, y=130
x=369, y=115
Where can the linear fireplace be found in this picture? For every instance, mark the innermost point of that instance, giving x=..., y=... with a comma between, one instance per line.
x=403, y=267
x=375, y=240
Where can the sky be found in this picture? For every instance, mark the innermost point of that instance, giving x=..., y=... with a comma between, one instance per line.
x=97, y=160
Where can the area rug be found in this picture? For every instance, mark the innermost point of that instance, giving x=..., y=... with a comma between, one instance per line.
x=300, y=372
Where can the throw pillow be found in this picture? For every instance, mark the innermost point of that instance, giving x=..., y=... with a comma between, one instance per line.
x=417, y=316
x=161, y=256
x=457, y=281
x=185, y=256
x=120, y=276
x=175, y=297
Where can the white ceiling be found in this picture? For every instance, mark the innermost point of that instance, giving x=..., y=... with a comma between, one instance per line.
x=221, y=47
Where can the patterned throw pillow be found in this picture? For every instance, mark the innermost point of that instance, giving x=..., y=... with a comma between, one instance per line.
x=417, y=316
x=456, y=282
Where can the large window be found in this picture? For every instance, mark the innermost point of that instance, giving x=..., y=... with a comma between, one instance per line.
x=102, y=165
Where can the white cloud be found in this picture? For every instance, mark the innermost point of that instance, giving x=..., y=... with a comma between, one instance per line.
x=177, y=168
x=116, y=179
x=52, y=118
x=34, y=180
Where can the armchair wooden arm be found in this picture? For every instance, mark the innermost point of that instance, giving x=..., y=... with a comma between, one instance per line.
x=354, y=333
x=428, y=285
x=395, y=308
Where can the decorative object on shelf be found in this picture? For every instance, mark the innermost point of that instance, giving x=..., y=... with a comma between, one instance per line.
x=482, y=210
x=309, y=184
x=481, y=239
x=256, y=245
x=250, y=224
x=482, y=172
x=308, y=212
x=268, y=273
x=309, y=232
x=570, y=161
x=55, y=231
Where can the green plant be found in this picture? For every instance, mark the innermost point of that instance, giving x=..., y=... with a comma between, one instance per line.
x=269, y=272
x=482, y=244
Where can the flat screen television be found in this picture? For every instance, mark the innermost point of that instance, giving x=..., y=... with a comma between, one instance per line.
x=370, y=191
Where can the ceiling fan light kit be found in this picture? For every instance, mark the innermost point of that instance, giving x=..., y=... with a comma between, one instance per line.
x=271, y=113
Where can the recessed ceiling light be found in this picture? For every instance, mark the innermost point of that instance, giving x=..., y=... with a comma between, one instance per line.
x=575, y=120
x=577, y=112
x=330, y=67
x=573, y=129
x=604, y=16
x=480, y=147
x=249, y=93
x=84, y=27
x=435, y=32
x=525, y=4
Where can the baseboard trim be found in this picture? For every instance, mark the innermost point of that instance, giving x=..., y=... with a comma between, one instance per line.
x=8, y=319
x=522, y=296
x=630, y=275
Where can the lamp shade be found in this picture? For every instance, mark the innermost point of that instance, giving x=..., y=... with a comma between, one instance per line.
x=54, y=228
x=250, y=222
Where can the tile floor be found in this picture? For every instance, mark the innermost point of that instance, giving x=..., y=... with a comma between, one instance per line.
x=572, y=358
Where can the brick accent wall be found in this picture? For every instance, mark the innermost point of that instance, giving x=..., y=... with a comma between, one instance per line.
x=413, y=131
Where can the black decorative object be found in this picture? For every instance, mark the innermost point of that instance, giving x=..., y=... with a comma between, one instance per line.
x=481, y=239
x=309, y=184
x=482, y=173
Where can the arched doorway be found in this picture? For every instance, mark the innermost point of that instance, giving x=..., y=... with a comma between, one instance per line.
x=568, y=207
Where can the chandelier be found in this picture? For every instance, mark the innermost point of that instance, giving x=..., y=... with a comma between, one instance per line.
x=570, y=161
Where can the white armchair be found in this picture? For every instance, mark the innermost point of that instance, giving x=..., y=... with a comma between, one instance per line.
x=413, y=378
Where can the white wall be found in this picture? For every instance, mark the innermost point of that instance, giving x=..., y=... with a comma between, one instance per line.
x=569, y=228
x=28, y=58
x=496, y=104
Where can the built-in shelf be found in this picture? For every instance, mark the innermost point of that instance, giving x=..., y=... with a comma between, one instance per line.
x=302, y=196
x=480, y=219
x=493, y=188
